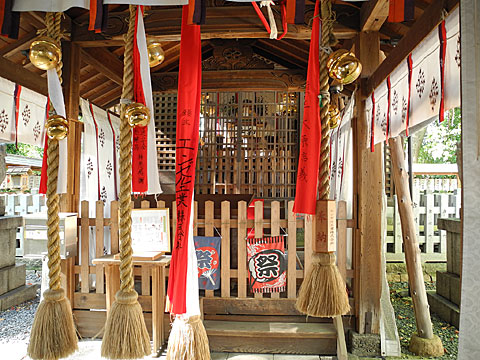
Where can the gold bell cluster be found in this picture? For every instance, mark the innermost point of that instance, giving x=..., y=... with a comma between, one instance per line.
x=343, y=66
x=137, y=114
x=45, y=53
x=57, y=127
x=156, y=55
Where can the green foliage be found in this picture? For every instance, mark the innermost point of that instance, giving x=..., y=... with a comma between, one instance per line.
x=440, y=142
x=25, y=150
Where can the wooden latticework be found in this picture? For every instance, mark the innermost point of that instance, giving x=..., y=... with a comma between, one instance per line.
x=248, y=142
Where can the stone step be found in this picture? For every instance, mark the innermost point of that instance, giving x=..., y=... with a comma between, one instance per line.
x=444, y=308
x=18, y=296
x=11, y=277
x=272, y=337
x=449, y=286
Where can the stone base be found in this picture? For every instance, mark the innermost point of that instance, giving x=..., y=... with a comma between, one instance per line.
x=364, y=344
x=18, y=296
x=444, y=308
x=11, y=277
x=426, y=347
x=8, y=242
x=449, y=286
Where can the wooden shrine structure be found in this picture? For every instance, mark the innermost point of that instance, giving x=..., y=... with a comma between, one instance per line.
x=247, y=157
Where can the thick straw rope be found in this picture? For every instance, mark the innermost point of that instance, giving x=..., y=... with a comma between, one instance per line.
x=52, y=21
x=126, y=269
x=327, y=31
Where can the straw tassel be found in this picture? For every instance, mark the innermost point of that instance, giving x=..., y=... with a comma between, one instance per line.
x=188, y=339
x=53, y=333
x=126, y=335
x=323, y=292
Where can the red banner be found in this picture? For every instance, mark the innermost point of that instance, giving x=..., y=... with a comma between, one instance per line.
x=188, y=119
x=308, y=162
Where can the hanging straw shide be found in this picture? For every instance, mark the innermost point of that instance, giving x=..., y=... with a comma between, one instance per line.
x=126, y=335
x=53, y=333
x=323, y=292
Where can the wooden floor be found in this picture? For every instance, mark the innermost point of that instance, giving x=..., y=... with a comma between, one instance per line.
x=271, y=337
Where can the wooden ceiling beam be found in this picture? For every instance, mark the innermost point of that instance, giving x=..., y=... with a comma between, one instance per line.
x=104, y=62
x=93, y=92
x=19, y=75
x=373, y=14
x=432, y=16
x=233, y=22
x=21, y=44
x=109, y=94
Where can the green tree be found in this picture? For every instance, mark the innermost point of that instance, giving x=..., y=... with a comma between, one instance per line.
x=440, y=141
x=25, y=150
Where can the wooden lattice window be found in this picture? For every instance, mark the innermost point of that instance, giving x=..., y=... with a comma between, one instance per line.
x=248, y=142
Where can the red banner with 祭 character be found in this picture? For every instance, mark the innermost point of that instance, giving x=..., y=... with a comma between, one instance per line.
x=188, y=120
x=267, y=264
x=308, y=162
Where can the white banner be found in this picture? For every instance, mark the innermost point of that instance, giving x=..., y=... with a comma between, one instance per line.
x=380, y=115
x=31, y=117
x=452, y=61
x=7, y=111
x=398, y=99
x=115, y=123
x=62, y=5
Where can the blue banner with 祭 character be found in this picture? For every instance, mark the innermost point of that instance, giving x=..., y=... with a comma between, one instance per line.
x=207, y=249
x=267, y=264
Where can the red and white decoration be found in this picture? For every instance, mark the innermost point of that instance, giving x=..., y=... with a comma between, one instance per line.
x=7, y=111
x=413, y=104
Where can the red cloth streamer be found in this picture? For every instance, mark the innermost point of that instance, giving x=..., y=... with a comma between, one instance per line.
x=9, y=20
x=309, y=159
x=442, y=32
x=401, y=10
x=98, y=16
x=389, y=88
x=295, y=11
x=284, y=21
x=139, y=143
x=410, y=72
x=372, y=135
x=188, y=120
x=261, y=16
x=44, y=177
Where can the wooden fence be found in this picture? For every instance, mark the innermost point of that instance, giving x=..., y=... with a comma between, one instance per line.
x=89, y=303
x=428, y=207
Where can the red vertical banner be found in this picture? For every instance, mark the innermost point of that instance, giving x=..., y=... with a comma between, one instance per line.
x=308, y=162
x=188, y=119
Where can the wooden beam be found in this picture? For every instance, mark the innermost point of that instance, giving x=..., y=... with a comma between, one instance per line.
x=71, y=84
x=368, y=188
x=21, y=44
x=18, y=74
x=104, y=62
x=232, y=22
x=373, y=14
x=245, y=80
x=432, y=16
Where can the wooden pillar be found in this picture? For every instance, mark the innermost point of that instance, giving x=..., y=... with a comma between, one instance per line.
x=410, y=241
x=71, y=88
x=469, y=344
x=368, y=187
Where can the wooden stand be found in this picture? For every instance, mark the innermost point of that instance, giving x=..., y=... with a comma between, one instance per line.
x=410, y=241
x=157, y=267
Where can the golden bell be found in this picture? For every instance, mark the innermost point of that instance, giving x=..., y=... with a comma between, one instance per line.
x=137, y=114
x=335, y=117
x=45, y=53
x=156, y=55
x=57, y=127
x=343, y=66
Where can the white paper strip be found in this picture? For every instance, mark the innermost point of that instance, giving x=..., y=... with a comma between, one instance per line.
x=7, y=111
x=115, y=121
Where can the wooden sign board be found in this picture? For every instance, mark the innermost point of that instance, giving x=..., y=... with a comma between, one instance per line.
x=150, y=231
x=325, y=227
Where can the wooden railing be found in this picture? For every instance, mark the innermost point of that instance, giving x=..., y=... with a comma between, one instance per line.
x=231, y=224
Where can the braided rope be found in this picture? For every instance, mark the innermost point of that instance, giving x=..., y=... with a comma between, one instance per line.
x=126, y=268
x=52, y=21
x=327, y=31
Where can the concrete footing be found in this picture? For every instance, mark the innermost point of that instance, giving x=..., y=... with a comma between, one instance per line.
x=426, y=347
x=364, y=344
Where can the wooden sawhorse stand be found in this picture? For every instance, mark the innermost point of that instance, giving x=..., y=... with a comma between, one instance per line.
x=112, y=276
